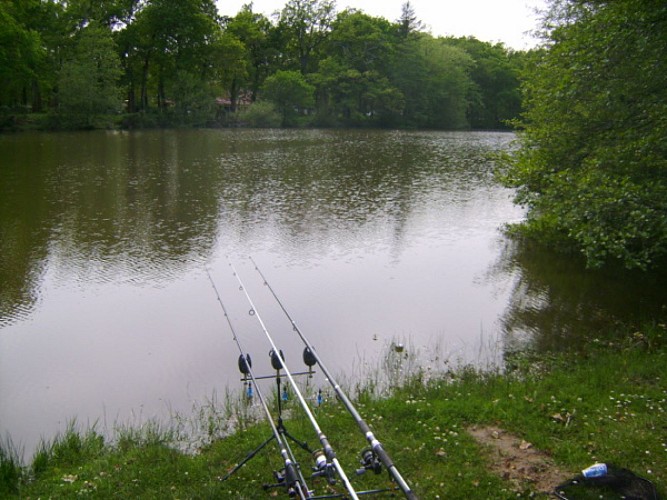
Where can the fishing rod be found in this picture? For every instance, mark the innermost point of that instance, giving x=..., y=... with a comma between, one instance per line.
x=292, y=479
x=375, y=444
x=327, y=448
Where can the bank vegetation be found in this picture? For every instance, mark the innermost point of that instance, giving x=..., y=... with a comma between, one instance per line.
x=592, y=163
x=572, y=409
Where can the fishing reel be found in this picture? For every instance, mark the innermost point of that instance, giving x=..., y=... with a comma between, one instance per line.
x=323, y=468
x=369, y=461
x=285, y=478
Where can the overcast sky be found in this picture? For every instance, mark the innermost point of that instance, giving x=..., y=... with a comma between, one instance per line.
x=504, y=21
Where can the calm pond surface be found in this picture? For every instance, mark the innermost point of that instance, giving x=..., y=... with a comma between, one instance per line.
x=368, y=238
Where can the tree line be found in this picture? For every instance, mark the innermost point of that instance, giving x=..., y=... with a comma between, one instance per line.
x=83, y=64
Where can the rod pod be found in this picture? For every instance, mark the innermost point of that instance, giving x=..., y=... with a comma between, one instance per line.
x=326, y=446
x=374, y=443
x=293, y=480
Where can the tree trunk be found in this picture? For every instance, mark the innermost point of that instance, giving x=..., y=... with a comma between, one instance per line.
x=144, y=86
x=131, y=99
x=36, y=97
x=161, y=101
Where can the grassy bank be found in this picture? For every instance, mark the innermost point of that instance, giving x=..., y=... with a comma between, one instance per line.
x=609, y=405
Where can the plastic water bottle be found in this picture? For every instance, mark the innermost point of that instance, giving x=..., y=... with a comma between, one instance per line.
x=595, y=470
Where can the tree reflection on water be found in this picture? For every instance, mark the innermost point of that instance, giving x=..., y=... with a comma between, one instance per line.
x=557, y=304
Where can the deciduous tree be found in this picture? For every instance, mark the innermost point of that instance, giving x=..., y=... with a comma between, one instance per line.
x=494, y=97
x=254, y=31
x=20, y=56
x=307, y=24
x=174, y=37
x=290, y=93
x=352, y=81
x=593, y=163
x=88, y=83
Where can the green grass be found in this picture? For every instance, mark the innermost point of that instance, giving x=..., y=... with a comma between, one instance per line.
x=608, y=405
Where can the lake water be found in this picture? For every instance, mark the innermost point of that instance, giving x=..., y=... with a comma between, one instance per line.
x=369, y=238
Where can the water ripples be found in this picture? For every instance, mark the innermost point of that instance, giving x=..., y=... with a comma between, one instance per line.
x=109, y=284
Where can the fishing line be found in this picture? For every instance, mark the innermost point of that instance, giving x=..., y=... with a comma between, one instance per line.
x=327, y=448
x=375, y=444
x=294, y=480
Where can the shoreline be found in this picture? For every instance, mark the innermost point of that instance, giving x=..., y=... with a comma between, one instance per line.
x=606, y=405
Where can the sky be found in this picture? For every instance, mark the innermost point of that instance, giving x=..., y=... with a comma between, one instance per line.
x=506, y=21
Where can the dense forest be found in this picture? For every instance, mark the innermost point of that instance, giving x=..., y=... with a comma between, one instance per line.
x=141, y=63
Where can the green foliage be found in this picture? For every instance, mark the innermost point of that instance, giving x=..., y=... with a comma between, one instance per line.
x=290, y=93
x=447, y=85
x=19, y=53
x=21, y=59
x=262, y=114
x=196, y=101
x=592, y=166
x=169, y=60
x=176, y=39
x=306, y=24
x=253, y=31
x=353, y=86
x=408, y=23
x=10, y=470
x=434, y=78
x=358, y=98
x=88, y=78
x=494, y=97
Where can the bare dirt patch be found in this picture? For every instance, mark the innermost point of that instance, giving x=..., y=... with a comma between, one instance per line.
x=518, y=462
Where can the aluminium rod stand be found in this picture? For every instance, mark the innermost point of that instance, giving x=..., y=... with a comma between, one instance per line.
x=281, y=430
